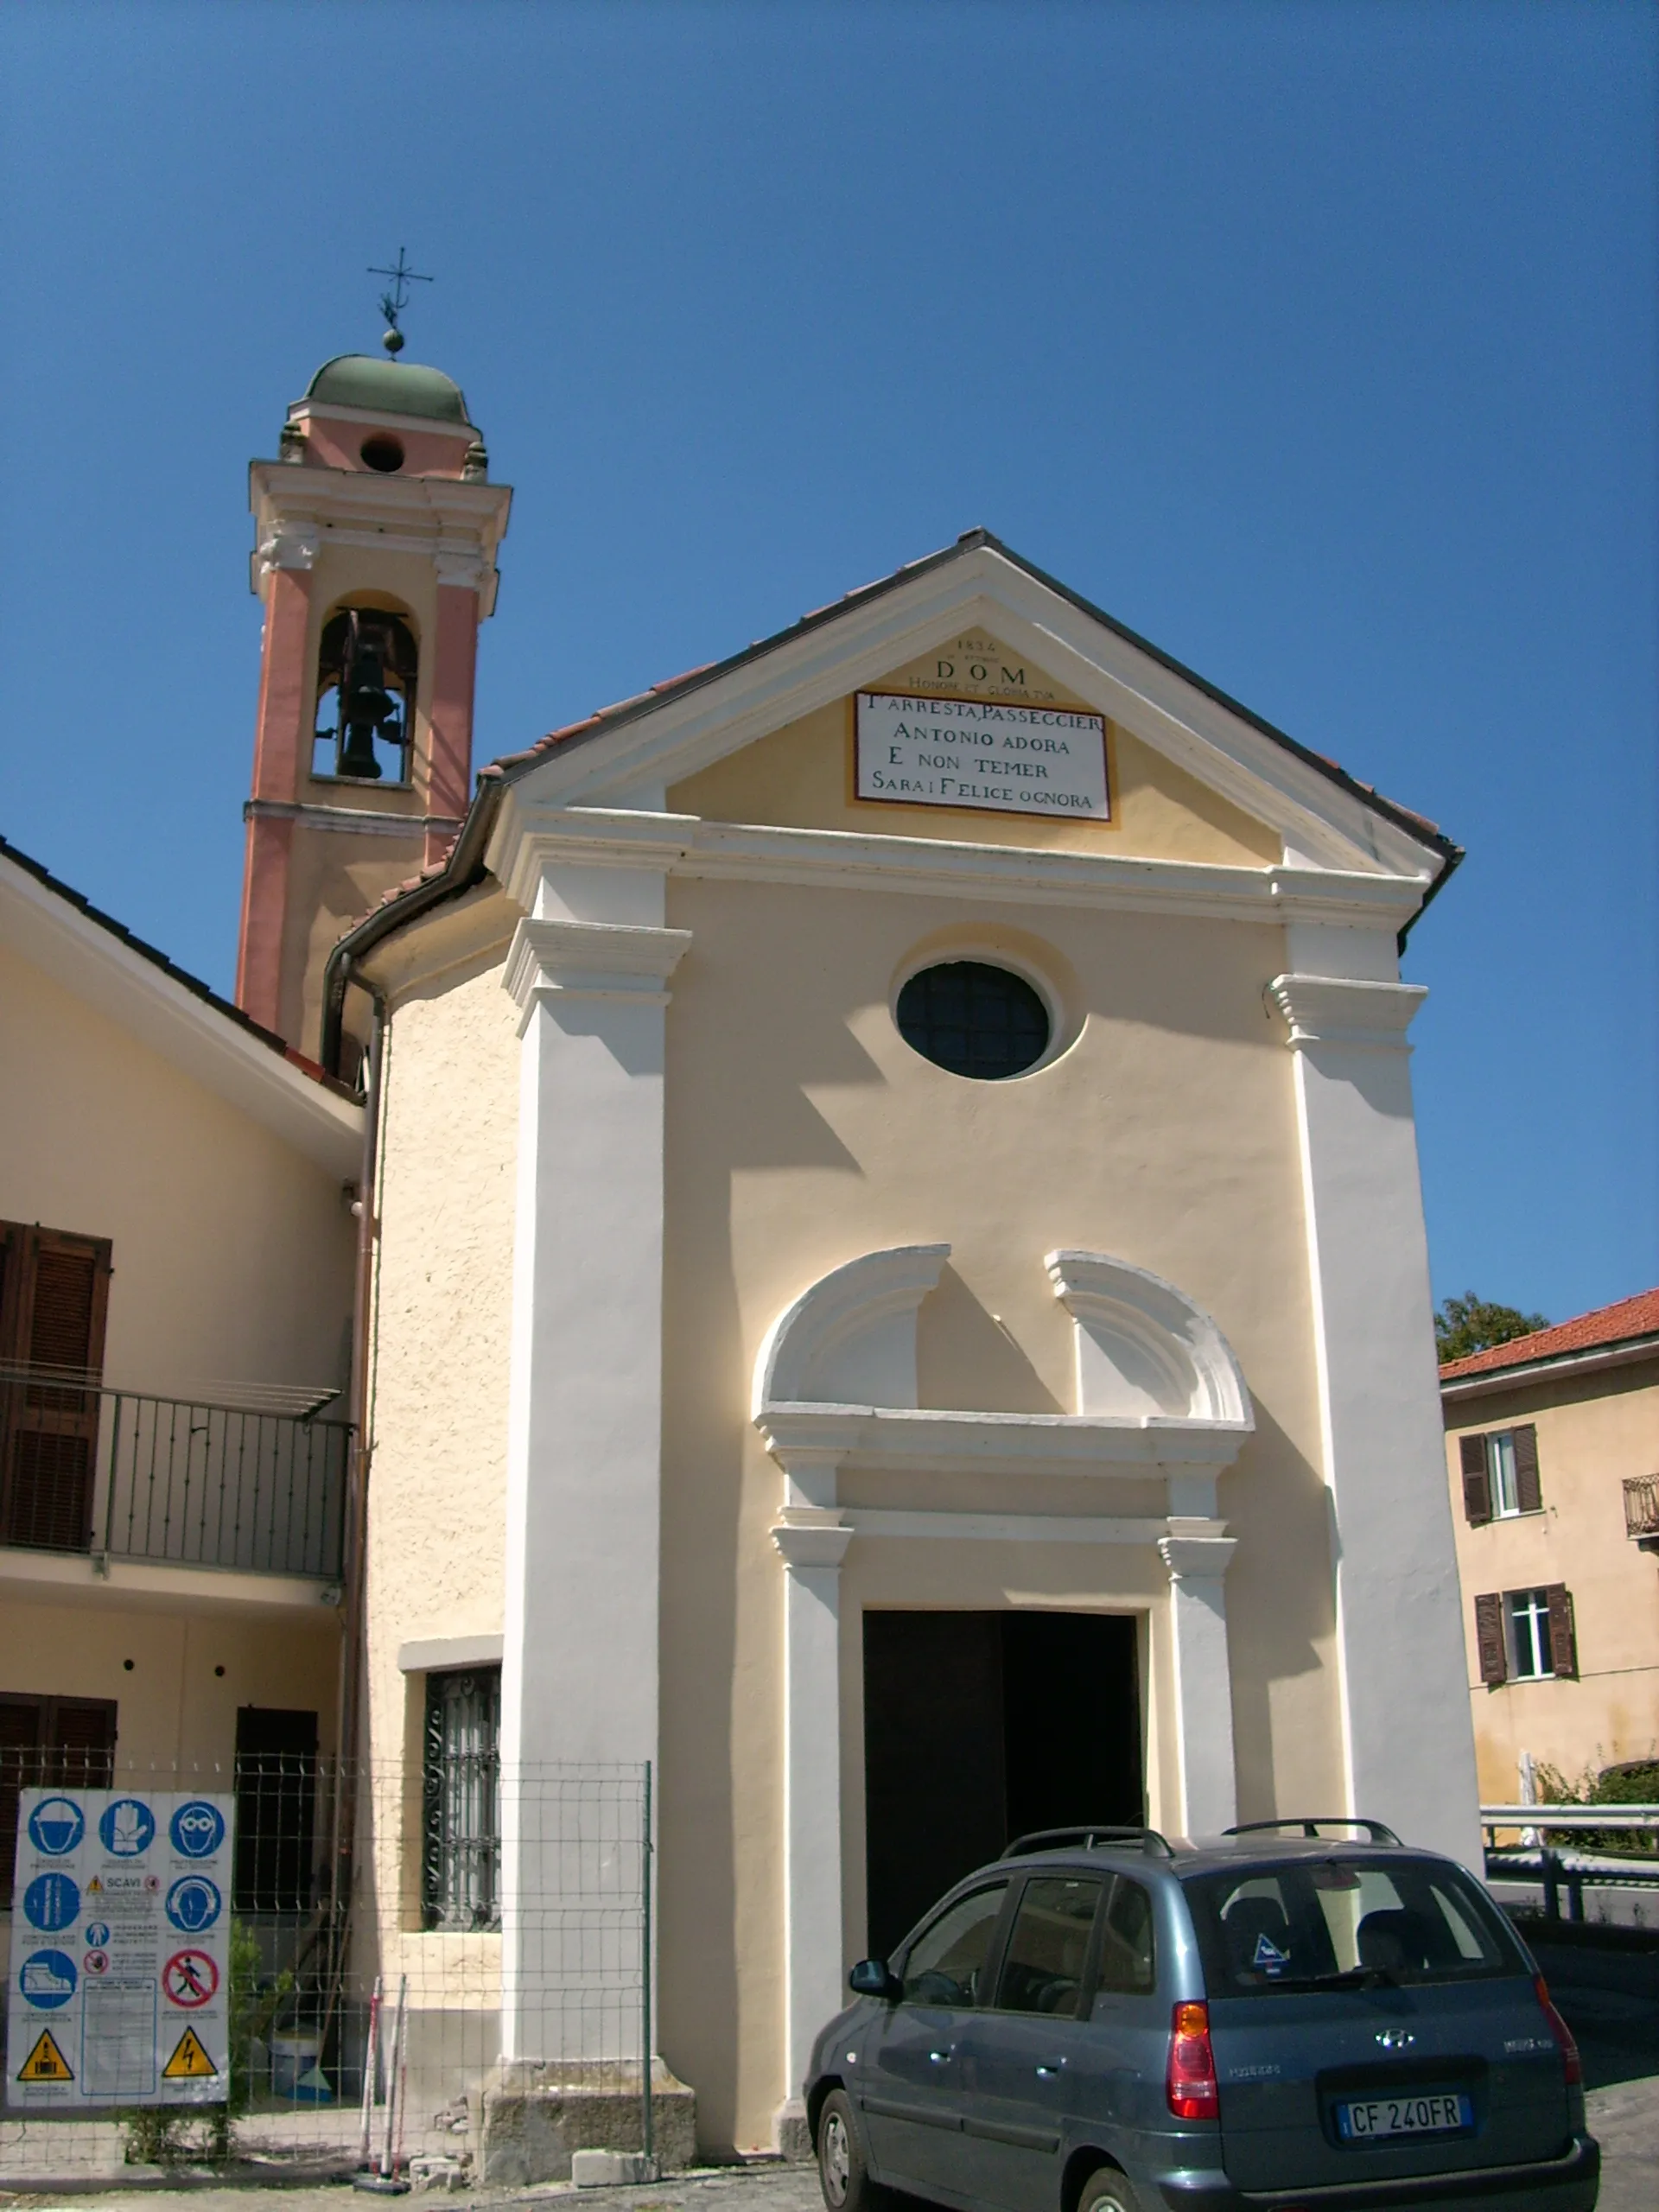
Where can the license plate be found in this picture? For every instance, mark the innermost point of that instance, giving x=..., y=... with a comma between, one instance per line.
x=1428, y=2114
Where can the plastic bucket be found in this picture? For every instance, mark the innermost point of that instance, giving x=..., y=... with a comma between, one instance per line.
x=290, y=2057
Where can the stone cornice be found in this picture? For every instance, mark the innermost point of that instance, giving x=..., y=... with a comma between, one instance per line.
x=590, y=960
x=298, y=511
x=1338, y=1011
x=1012, y=1444
x=531, y=837
x=373, y=822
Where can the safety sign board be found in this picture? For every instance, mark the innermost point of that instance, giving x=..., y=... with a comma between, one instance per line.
x=120, y=1949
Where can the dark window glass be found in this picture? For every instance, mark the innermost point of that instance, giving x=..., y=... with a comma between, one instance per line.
x=1128, y=1967
x=49, y=1743
x=1049, y=1947
x=1401, y=1919
x=946, y=1962
x=276, y=1808
x=460, y=1870
x=973, y=1019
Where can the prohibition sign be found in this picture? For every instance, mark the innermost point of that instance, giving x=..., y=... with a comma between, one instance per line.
x=190, y=1979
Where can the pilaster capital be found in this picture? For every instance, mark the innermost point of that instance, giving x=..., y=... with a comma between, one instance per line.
x=1339, y=1010
x=1196, y=1559
x=466, y=565
x=591, y=960
x=286, y=546
x=808, y=1539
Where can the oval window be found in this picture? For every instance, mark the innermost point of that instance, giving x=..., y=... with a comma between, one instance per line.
x=974, y=1019
x=382, y=453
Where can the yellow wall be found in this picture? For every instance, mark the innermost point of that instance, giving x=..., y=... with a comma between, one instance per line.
x=1591, y=1433
x=801, y=777
x=232, y=1253
x=802, y=1131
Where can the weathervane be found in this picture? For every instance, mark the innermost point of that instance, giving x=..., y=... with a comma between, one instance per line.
x=395, y=299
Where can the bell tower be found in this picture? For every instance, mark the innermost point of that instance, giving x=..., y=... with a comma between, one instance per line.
x=376, y=532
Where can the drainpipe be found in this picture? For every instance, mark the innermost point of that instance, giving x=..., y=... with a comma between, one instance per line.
x=350, y=1699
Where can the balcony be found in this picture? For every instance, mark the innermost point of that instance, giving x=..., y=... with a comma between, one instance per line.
x=1642, y=1510
x=117, y=1475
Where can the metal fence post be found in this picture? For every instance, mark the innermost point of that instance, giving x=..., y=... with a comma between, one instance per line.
x=646, y=2116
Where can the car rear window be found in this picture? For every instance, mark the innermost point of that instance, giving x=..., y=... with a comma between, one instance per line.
x=1315, y=1921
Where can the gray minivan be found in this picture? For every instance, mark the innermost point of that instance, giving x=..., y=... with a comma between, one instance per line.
x=1100, y=2020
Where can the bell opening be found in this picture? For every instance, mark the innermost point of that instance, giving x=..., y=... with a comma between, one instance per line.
x=366, y=669
x=382, y=453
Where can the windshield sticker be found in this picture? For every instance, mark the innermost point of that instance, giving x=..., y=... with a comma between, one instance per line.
x=1333, y=1877
x=1268, y=1957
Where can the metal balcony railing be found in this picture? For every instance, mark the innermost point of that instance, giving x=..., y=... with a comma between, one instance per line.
x=123, y=1474
x=1642, y=1508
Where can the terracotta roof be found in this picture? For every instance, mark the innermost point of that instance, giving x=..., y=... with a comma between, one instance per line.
x=193, y=984
x=1609, y=1325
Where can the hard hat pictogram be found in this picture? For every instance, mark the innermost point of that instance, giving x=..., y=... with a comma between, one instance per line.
x=46, y=2063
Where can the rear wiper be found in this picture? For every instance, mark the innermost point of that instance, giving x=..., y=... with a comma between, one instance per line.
x=1354, y=1977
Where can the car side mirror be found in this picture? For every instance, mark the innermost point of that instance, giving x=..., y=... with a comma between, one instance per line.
x=874, y=1978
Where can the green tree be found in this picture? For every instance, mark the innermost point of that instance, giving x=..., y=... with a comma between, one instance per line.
x=1469, y=1323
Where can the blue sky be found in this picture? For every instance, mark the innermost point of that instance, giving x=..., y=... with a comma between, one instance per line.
x=1318, y=343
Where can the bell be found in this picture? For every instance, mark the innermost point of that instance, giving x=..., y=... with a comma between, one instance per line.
x=367, y=705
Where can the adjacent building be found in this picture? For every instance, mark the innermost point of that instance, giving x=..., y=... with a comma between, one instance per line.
x=1553, y=1461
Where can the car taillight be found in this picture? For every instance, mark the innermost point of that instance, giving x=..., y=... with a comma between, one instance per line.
x=1562, y=2034
x=1190, y=2080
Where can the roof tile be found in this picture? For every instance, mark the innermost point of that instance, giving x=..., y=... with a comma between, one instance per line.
x=1607, y=1325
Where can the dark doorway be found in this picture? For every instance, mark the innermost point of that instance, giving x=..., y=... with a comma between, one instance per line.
x=979, y=1727
x=276, y=1808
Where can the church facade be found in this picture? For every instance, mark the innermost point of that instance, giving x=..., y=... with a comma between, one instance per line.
x=899, y=1287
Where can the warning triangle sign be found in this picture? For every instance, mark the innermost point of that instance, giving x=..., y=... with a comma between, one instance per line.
x=46, y=2063
x=189, y=2063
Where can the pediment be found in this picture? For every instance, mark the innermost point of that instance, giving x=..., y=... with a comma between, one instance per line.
x=1208, y=780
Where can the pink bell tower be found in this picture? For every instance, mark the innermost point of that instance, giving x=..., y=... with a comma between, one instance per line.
x=376, y=533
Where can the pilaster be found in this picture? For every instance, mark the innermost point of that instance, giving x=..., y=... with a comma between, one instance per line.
x=1197, y=1565
x=580, y=1655
x=1407, y=1736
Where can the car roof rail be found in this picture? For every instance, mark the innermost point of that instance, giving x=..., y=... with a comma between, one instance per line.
x=1089, y=1839
x=1310, y=1827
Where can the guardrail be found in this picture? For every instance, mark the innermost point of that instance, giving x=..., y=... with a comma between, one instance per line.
x=1560, y=1867
x=122, y=1474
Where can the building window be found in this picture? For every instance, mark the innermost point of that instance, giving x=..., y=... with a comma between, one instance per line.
x=53, y=1291
x=275, y=1781
x=1500, y=1474
x=460, y=1861
x=1525, y=1635
x=974, y=1019
x=1529, y=1634
x=49, y=1743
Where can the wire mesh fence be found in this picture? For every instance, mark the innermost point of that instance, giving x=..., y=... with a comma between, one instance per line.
x=439, y=1959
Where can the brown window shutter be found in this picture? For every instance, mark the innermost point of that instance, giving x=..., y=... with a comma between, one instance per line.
x=1528, y=1492
x=1489, y=1639
x=56, y=1298
x=1476, y=1485
x=1563, y=1641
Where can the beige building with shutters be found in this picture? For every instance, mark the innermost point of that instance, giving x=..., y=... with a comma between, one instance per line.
x=175, y=1297
x=1553, y=1462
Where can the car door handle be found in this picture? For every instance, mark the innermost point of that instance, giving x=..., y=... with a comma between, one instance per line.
x=1048, y=2067
x=938, y=2057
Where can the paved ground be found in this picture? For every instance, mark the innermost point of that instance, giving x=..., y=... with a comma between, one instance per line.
x=1625, y=2120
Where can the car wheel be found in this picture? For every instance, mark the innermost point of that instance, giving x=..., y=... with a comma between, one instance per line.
x=842, y=2175
x=1107, y=2191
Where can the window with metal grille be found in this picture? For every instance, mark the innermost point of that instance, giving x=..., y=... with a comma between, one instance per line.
x=974, y=1019
x=460, y=1861
x=49, y=1743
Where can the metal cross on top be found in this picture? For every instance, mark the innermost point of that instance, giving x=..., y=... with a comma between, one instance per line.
x=395, y=299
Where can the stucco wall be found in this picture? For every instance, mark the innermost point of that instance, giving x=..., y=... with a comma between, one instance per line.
x=1591, y=1433
x=232, y=1253
x=801, y=777
x=801, y=1131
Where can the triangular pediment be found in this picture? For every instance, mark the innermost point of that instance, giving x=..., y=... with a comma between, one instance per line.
x=773, y=736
